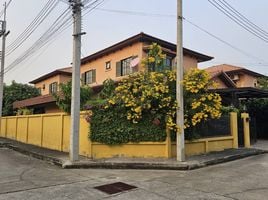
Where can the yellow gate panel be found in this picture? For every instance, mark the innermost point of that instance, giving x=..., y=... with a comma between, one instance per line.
x=35, y=130
x=11, y=128
x=52, y=132
x=22, y=129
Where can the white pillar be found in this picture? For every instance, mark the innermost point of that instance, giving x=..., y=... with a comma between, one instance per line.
x=75, y=105
x=179, y=86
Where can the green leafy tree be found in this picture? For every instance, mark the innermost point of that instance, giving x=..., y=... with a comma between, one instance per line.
x=263, y=83
x=16, y=92
x=108, y=89
x=64, y=97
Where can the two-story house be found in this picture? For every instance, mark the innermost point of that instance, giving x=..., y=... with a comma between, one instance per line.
x=115, y=62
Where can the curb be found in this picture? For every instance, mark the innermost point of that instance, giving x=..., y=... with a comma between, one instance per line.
x=36, y=155
x=159, y=166
x=130, y=165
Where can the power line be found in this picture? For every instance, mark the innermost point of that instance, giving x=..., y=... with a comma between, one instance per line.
x=135, y=13
x=188, y=21
x=223, y=41
x=58, y=26
x=238, y=20
x=244, y=17
x=42, y=15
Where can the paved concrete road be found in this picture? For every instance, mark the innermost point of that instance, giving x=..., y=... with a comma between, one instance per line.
x=22, y=177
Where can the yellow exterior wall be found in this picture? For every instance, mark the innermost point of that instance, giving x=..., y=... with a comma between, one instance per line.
x=103, y=74
x=206, y=145
x=99, y=64
x=52, y=131
x=23, y=129
x=220, y=83
x=3, y=127
x=142, y=150
x=46, y=83
x=35, y=130
x=11, y=127
x=64, y=78
x=246, y=80
x=58, y=78
x=189, y=62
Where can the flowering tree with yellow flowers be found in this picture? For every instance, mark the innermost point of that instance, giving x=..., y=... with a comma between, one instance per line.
x=154, y=90
x=147, y=92
x=199, y=103
x=155, y=60
x=149, y=98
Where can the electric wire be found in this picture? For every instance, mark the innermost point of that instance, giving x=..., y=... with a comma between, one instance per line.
x=188, y=21
x=238, y=20
x=244, y=17
x=61, y=24
x=44, y=13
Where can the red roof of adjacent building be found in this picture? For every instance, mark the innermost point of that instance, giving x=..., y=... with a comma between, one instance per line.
x=34, y=101
x=63, y=71
x=229, y=69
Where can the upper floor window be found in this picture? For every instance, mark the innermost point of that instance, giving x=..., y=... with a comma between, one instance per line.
x=108, y=65
x=124, y=67
x=53, y=87
x=89, y=77
x=168, y=63
x=39, y=90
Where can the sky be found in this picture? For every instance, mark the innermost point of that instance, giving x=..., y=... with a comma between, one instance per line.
x=106, y=28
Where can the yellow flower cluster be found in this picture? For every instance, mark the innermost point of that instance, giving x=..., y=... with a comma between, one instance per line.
x=154, y=92
x=146, y=91
x=155, y=57
x=202, y=104
x=196, y=80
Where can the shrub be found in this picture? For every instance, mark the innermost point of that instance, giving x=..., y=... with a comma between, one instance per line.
x=110, y=126
x=64, y=97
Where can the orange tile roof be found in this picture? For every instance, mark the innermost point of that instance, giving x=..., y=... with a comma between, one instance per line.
x=222, y=68
x=34, y=101
x=65, y=71
x=217, y=69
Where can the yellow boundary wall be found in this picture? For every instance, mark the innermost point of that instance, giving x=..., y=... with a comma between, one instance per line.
x=52, y=131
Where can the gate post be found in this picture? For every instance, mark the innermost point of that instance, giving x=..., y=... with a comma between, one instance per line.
x=168, y=144
x=234, y=129
x=245, y=117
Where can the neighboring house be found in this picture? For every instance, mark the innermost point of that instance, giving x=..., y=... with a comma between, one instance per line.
x=229, y=76
x=236, y=83
x=47, y=84
x=115, y=62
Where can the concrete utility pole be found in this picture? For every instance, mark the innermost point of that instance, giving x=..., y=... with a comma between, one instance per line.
x=3, y=34
x=179, y=86
x=75, y=105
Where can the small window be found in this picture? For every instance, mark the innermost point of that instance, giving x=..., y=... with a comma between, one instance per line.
x=53, y=87
x=89, y=77
x=108, y=65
